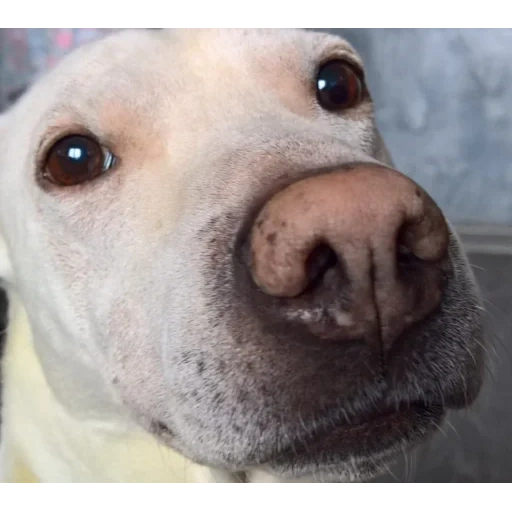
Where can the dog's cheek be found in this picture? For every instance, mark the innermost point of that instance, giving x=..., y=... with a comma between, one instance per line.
x=131, y=354
x=5, y=263
x=379, y=150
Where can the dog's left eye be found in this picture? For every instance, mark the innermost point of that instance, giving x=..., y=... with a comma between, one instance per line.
x=338, y=86
x=76, y=159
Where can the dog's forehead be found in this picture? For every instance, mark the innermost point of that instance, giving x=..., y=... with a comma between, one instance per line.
x=210, y=47
x=128, y=61
x=281, y=46
x=136, y=84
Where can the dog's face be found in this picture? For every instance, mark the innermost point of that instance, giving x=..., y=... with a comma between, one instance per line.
x=204, y=230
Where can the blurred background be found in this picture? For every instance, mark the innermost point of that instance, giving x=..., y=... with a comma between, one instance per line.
x=444, y=107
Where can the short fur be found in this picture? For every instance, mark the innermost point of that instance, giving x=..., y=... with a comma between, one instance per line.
x=136, y=344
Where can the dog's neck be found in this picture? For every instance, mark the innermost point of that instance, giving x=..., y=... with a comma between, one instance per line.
x=41, y=441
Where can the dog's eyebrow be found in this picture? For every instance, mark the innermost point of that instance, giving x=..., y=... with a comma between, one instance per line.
x=338, y=46
x=331, y=46
x=59, y=118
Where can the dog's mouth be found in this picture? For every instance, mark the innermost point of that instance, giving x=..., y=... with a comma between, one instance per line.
x=357, y=450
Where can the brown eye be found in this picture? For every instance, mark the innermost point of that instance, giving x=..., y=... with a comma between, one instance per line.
x=75, y=159
x=338, y=86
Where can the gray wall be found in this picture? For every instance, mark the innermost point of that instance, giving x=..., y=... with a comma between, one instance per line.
x=444, y=105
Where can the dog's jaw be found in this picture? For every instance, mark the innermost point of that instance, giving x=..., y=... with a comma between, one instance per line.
x=35, y=423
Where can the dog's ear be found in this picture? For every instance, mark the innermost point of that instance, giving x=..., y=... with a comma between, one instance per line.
x=5, y=264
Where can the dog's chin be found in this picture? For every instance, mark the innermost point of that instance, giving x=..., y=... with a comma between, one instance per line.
x=343, y=452
x=358, y=451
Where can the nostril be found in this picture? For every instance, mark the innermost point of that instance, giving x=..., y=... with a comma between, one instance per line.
x=321, y=259
x=415, y=247
x=405, y=256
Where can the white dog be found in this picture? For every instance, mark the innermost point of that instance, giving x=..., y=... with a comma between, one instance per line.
x=215, y=274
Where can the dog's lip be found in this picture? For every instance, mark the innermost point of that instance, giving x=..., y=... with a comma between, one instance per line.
x=386, y=431
x=371, y=439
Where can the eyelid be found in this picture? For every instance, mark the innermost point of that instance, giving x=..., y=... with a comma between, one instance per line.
x=337, y=53
x=358, y=70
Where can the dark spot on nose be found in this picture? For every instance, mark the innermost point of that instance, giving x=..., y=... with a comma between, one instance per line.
x=271, y=238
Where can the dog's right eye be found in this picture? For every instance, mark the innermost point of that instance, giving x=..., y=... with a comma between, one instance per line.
x=75, y=159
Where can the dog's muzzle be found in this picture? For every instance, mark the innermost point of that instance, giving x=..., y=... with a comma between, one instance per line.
x=369, y=231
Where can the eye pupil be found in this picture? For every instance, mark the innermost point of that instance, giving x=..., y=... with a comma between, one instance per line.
x=338, y=86
x=76, y=159
x=77, y=154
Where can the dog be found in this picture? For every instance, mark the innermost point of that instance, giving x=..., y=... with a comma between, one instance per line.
x=216, y=274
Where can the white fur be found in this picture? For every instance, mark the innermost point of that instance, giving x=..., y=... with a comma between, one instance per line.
x=41, y=441
x=61, y=419
x=117, y=323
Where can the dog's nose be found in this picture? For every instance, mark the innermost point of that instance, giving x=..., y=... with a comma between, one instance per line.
x=364, y=252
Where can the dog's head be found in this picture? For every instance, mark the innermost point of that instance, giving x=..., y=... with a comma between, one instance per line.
x=208, y=235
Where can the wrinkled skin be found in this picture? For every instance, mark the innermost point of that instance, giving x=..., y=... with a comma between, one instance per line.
x=139, y=300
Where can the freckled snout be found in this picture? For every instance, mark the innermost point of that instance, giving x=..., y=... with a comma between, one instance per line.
x=354, y=254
